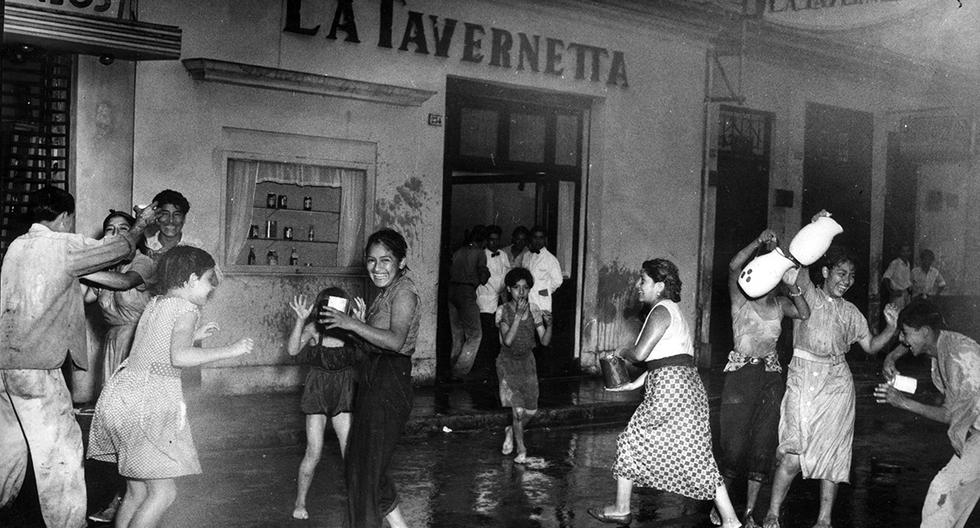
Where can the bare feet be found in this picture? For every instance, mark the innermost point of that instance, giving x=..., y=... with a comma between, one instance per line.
x=300, y=513
x=521, y=458
x=749, y=520
x=771, y=521
x=714, y=517
x=508, y=446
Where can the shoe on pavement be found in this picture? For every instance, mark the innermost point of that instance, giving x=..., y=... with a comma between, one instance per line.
x=610, y=518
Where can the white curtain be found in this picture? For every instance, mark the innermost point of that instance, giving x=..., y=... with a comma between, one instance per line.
x=244, y=174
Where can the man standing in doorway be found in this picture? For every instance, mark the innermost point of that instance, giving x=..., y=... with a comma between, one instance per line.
x=898, y=278
x=42, y=324
x=488, y=298
x=546, y=270
x=926, y=279
x=518, y=244
x=467, y=271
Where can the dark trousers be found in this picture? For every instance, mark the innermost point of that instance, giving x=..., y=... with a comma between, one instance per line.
x=485, y=365
x=750, y=404
x=381, y=408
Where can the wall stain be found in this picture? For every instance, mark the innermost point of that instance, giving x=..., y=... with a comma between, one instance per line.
x=404, y=210
x=617, y=307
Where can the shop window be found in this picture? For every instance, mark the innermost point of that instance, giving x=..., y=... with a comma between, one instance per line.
x=527, y=138
x=478, y=134
x=567, y=138
x=34, y=131
x=284, y=215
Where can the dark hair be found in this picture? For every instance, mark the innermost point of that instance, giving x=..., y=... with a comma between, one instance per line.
x=389, y=238
x=494, y=230
x=118, y=214
x=477, y=234
x=176, y=266
x=320, y=303
x=927, y=253
x=919, y=313
x=516, y=274
x=48, y=202
x=174, y=198
x=520, y=230
x=837, y=255
x=663, y=270
x=538, y=229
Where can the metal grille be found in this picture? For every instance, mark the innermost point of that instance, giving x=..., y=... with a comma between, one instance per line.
x=35, y=94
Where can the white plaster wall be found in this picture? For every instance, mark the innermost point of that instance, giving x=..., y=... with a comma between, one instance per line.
x=949, y=229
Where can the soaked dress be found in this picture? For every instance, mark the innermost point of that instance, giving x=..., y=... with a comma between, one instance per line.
x=121, y=311
x=516, y=368
x=329, y=387
x=818, y=409
x=141, y=419
x=667, y=443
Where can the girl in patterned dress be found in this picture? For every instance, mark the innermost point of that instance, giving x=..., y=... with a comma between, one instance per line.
x=519, y=321
x=667, y=443
x=329, y=388
x=140, y=420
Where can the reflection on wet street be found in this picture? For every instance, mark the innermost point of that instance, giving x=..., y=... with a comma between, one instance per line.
x=461, y=479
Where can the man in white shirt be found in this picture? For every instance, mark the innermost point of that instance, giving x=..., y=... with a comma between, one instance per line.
x=926, y=280
x=488, y=298
x=898, y=278
x=544, y=268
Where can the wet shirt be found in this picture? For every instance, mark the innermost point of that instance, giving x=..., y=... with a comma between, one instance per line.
x=379, y=314
x=756, y=326
x=42, y=315
x=834, y=325
x=956, y=373
x=676, y=340
x=126, y=307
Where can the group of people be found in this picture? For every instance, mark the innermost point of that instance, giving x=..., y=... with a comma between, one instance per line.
x=803, y=426
x=904, y=282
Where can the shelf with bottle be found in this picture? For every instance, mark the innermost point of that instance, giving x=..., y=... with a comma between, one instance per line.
x=286, y=254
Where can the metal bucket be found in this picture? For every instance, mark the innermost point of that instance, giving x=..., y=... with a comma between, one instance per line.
x=614, y=371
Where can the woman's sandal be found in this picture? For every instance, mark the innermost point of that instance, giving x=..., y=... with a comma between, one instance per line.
x=610, y=518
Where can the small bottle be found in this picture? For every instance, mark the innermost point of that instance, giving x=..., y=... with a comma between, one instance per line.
x=282, y=201
x=287, y=233
x=270, y=201
x=294, y=258
x=272, y=258
x=307, y=203
x=251, y=255
x=309, y=234
x=253, y=232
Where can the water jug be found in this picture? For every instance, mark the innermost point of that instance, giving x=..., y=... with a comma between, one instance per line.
x=764, y=272
x=614, y=372
x=813, y=240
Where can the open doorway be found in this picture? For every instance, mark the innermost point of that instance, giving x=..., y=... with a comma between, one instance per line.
x=513, y=157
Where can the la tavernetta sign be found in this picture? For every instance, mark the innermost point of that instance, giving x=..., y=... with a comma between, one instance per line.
x=105, y=8
x=840, y=14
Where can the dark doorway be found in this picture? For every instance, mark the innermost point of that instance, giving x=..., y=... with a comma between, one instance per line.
x=837, y=177
x=741, y=212
x=901, y=186
x=514, y=157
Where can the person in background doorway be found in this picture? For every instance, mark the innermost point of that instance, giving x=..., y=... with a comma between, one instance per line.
x=753, y=377
x=954, y=491
x=897, y=279
x=488, y=298
x=546, y=270
x=42, y=324
x=816, y=428
x=467, y=272
x=518, y=244
x=926, y=279
x=172, y=212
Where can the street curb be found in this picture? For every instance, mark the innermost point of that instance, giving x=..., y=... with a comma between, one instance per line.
x=595, y=414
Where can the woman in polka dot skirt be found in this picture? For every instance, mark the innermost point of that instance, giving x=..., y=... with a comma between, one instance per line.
x=140, y=420
x=667, y=443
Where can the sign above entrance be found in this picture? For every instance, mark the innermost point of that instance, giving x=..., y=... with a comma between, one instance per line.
x=427, y=34
x=105, y=8
x=839, y=14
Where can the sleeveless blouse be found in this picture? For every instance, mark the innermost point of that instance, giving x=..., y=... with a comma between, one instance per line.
x=676, y=340
x=379, y=314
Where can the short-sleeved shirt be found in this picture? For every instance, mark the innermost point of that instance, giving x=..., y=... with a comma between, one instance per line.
x=927, y=282
x=834, y=325
x=956, y=373
x=899, y=274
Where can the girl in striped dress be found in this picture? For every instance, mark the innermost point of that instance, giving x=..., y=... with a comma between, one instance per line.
x=667, y=443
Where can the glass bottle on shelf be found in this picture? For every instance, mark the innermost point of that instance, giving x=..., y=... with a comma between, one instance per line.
x=294, y=258
x=307, y=203
x=251, y=255
x=287, y=233
x=283, y=201
x=272, y=258
x=310, y=235
x=270, y=200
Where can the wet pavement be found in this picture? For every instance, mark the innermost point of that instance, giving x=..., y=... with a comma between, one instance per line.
x=459, y=478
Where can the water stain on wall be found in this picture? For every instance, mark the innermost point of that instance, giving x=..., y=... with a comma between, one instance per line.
x=617, y=308
x=403, y=211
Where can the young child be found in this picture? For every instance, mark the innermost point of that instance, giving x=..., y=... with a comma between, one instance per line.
x=519, y=321
x=329, y=389
x=140, y=420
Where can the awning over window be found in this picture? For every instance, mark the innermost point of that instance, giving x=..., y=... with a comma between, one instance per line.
x=89, y=34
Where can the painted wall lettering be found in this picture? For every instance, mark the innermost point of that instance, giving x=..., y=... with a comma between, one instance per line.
x=478, y=44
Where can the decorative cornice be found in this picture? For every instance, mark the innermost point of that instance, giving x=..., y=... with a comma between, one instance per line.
x=90, y=34
x=301, y=82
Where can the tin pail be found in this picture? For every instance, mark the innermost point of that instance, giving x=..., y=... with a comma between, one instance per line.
x=614, y=372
